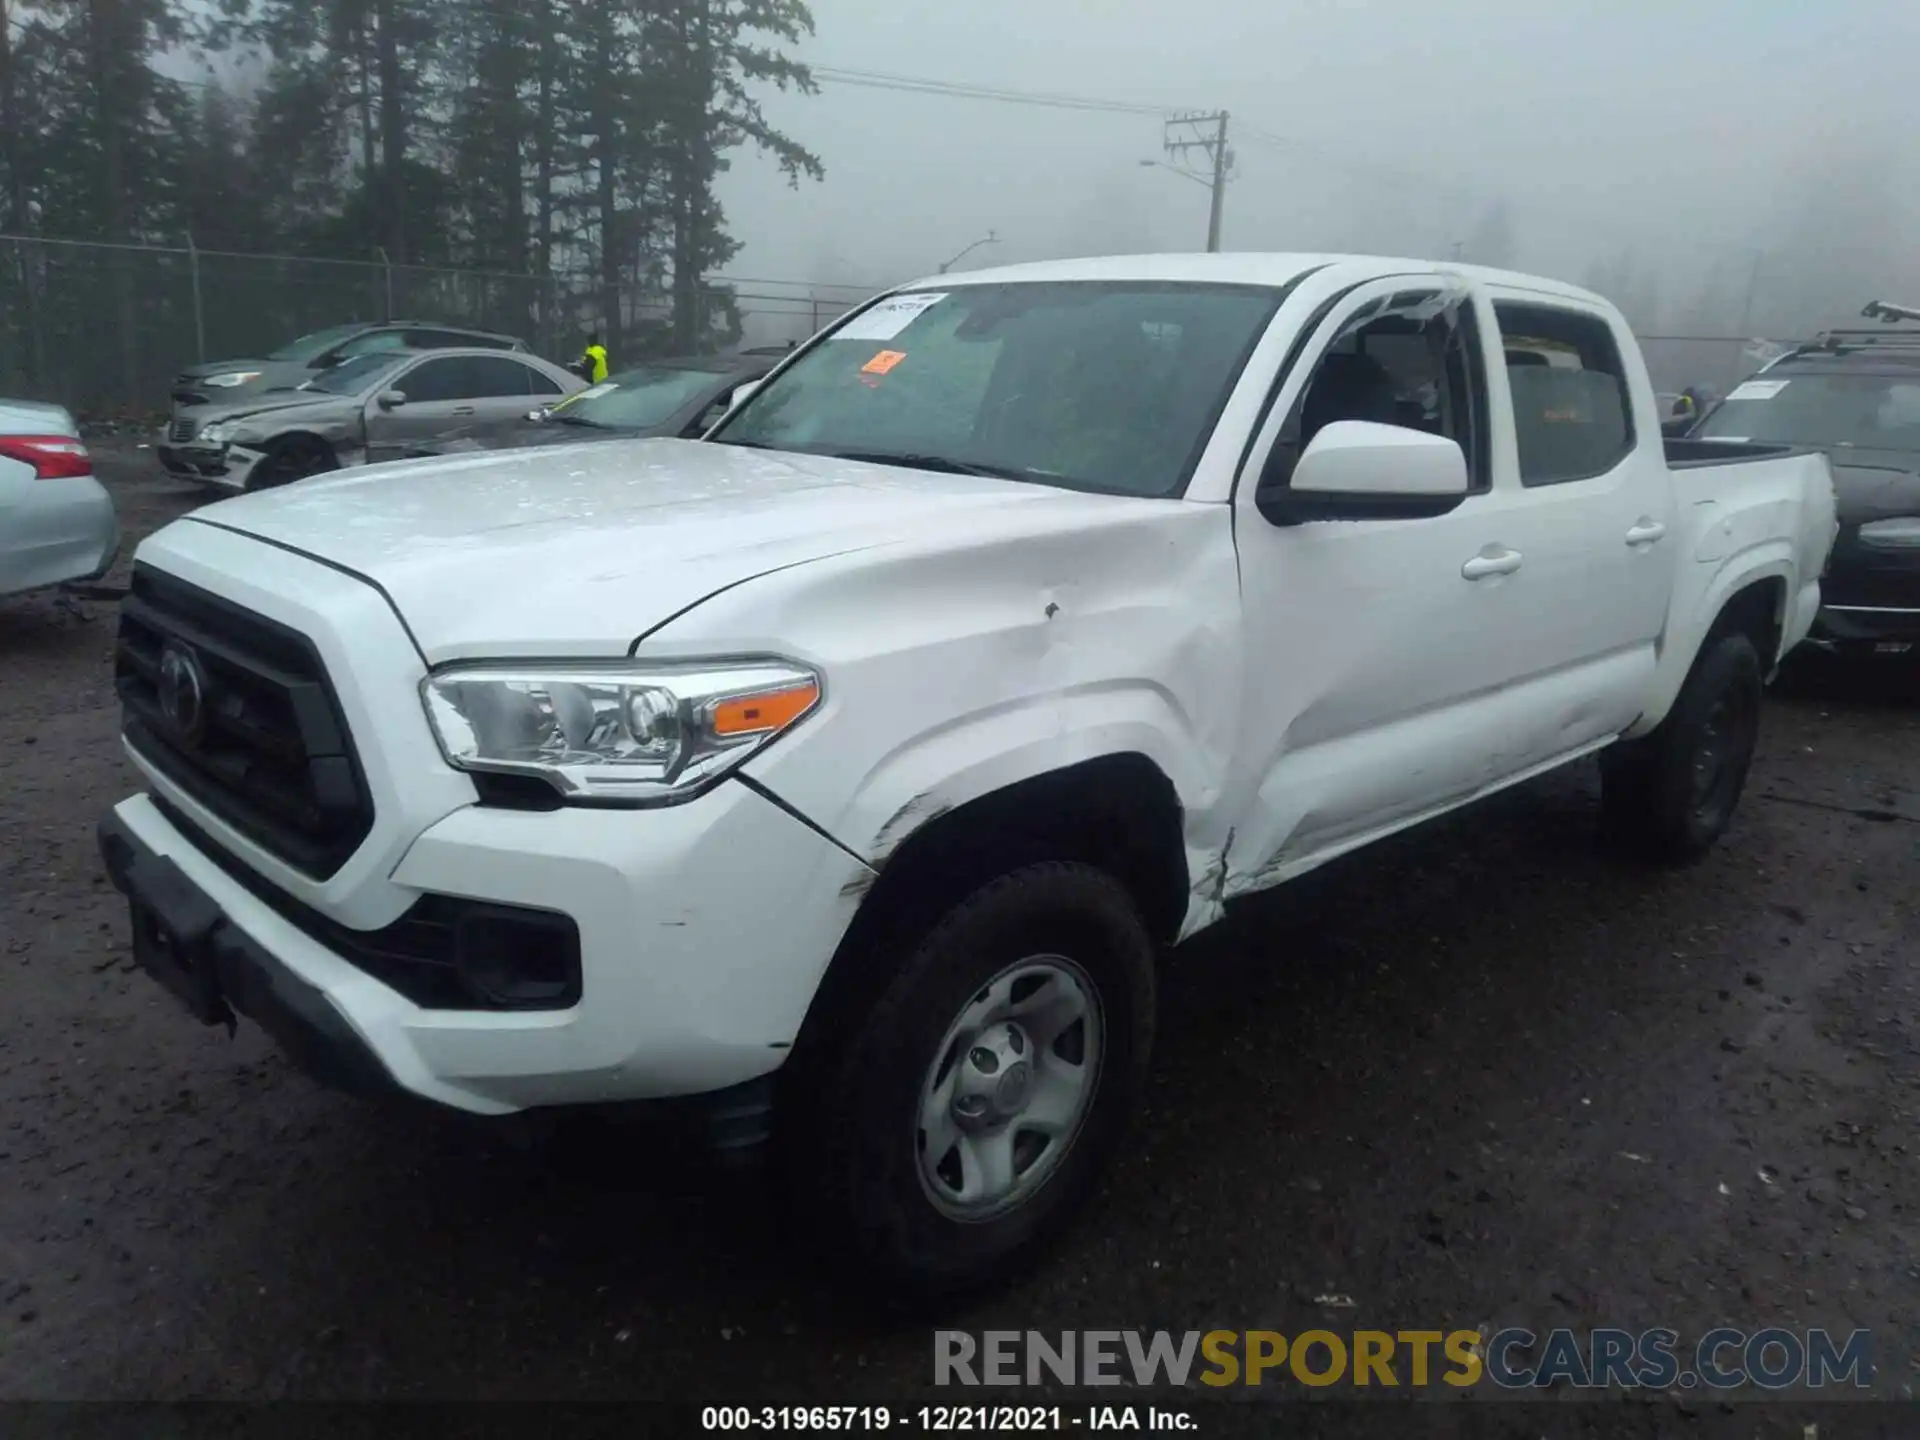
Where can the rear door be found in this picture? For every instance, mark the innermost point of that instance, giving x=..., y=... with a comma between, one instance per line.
x=1593, y=514
x=503, y=387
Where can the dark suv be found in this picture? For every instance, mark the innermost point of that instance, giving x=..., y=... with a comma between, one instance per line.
x=1856, y=395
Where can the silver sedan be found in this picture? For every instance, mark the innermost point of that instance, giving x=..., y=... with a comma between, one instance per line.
x=56, y=521
x=384, y=406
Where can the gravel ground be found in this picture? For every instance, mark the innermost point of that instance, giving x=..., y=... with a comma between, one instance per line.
x=1483, y=1074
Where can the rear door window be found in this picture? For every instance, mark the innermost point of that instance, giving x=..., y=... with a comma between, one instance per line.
x=1571, y=415
x=490, y=376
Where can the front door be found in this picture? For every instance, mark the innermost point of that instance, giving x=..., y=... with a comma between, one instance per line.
x=1381, y=654
x=446, y=393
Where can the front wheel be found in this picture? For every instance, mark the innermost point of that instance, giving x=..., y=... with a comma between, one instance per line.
x=1671, y=794
x=987, y=1088
x=294, y=458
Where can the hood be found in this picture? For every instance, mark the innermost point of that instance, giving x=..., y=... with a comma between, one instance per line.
x=578, y=550
x=1875, y=484
x=217, y=367
x=524, y=434
x=271, y=373
x=269, y=404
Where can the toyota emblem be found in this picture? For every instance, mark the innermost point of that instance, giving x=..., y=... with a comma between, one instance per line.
x=183, y=692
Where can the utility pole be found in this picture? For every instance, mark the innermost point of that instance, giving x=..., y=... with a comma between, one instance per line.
x=1189, y=132
x=1753, y=289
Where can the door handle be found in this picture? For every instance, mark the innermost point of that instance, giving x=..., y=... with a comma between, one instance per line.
x=1500, y=562
x=1645, y=532
x=463, y=410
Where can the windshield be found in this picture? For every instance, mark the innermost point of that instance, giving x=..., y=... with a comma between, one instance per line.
x=1868, y=412
x=350, y=377
x=637, y=399
x=308, y=346
x=1105, y=386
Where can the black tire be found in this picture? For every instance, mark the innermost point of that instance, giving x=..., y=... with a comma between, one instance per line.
x=853, y=1140
x=291, y=459
x=1671, y=794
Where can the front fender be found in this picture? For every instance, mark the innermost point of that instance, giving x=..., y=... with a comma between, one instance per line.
x=959, y=665
x=990, y=750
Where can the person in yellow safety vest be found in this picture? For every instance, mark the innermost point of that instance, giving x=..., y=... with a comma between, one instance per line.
x=592, y=364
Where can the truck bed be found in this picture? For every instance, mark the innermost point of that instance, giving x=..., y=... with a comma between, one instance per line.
x=1691, y=454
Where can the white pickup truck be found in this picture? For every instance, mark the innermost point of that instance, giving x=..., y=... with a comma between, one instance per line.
x=846, y=775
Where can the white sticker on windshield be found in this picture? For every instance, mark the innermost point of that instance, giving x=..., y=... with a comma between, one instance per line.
x=596, y=390
x=890, y=316
x=1758, y=389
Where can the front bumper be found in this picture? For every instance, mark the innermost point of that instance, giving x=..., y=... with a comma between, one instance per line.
x=185, y=941
x=229, y=466
x=687, y=986
x=1868, y=630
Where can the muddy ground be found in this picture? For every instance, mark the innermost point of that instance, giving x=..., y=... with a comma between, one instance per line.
x=1487, y=1074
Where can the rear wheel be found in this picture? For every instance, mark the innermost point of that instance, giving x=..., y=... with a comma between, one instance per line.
x=1671, y=794
x=984, y=1092
x=293, y=458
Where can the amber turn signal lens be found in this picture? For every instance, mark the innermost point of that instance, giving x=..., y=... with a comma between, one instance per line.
x=762, y=714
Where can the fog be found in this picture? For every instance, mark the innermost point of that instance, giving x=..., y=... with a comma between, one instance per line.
x=1721, y=166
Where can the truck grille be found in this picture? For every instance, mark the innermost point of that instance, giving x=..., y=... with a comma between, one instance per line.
x=182, y=432
x=236, y=710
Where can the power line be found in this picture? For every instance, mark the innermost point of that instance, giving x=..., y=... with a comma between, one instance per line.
x=959, y=90
x=1400, y=177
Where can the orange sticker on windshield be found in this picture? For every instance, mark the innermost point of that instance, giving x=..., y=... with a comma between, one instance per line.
x=883, y=362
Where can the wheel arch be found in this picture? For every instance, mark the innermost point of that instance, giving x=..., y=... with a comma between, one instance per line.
x=1750, y=594
x=1119, y=812
x=303, y=437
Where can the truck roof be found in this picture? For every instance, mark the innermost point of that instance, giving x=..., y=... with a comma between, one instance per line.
x=1275, y=270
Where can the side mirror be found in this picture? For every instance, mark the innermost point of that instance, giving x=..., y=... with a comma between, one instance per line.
x=1677, y=427
x=324, y=362
x=540, y=414
x=1359, y=470
x=390, y=399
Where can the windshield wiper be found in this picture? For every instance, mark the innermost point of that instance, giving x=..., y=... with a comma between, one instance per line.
x=942, y=463
x=577, y=420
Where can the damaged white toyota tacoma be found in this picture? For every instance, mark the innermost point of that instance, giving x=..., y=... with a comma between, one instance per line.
x=845, y=776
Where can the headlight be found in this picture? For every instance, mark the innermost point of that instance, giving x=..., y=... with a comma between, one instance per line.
x=1899, y=533
x=215, y=434
x=230, y=379
x=622, y=731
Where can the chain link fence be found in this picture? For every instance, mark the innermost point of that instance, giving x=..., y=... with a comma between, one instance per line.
x=103, y=329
